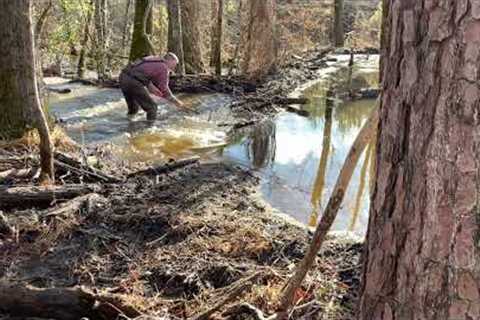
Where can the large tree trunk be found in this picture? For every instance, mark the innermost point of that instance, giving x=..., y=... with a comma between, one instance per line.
x=216, y=58
x=101, y=18
x=260, y=50
x=422, y=255
x=142, y=28
x=175, y=37
x=192, y=36
x=338, y=31
x=20, y=105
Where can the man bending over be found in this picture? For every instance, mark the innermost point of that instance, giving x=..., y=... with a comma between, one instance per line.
x=146, y=77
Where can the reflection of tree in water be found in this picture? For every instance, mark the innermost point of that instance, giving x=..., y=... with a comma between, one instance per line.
x=262, y=144
x=319, y=184
x=349, y=114
x=361, y=187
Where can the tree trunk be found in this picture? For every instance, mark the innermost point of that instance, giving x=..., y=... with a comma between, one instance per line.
x=217, y=39
x=142, y=28
x=422, y=254
x=41, y=22
x=43, y=195
x=213, y=17
x=83, y=51
x=235, y=62
x=260, y=50
x=338, y=31
x=20, y=104
x=126, y=26
x=175, y=42
x=101, y=16
x=192, y=36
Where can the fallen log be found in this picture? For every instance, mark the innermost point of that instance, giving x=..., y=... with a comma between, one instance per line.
x=87, y=203
x=67, y=163
x=61, y=303
x=168, y=167
x=42, y=195
x=59, y=90
x=17, y=174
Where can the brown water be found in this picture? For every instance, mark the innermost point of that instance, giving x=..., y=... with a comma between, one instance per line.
x=298, y=158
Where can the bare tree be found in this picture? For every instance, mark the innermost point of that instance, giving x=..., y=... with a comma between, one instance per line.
x=260, y=50
x=192, y=37
x=338, y=30
x=142, y=29
x=216, y=55
x=175, y=37
x=84, y=43
x=20, y=104
x=101, y=18
x=421, y=257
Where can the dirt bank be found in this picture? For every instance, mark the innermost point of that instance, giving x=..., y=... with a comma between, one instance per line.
x=171, y=244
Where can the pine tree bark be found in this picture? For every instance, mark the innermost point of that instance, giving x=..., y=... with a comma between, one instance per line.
x=192, y=36
x=142, y=28
x=20, y=104
x=422, y=254
x=260, y=50
x=175, y=37
x=338, y=30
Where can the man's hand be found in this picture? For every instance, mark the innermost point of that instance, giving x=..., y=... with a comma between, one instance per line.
x=182, y=106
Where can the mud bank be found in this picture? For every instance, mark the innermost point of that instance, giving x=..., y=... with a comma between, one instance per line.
x=168, y=245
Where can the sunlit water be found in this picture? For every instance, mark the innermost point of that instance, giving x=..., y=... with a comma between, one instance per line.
x=298, y=158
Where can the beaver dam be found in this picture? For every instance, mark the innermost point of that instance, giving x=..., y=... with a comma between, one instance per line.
x=174, y=218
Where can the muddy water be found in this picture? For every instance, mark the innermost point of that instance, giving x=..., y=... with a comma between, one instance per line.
x=298, y=158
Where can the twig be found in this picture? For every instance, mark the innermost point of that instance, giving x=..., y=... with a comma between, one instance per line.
x=236, y=289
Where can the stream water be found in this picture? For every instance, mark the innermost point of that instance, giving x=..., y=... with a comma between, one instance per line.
x=297, y=158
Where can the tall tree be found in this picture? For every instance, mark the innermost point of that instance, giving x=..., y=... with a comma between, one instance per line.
x=192, y=36
x=82, y=61
x=217, y=30
x=101, y=18
x=142, y=29
x=20, y=104
x=338, y=30
x=260, y=49
x=126, y=26
x=422, y=254
x=175, y=42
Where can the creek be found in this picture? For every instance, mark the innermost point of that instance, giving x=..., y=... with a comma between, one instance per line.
x=297, y=158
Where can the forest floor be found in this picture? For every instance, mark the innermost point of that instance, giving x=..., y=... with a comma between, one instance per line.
x=169, y=243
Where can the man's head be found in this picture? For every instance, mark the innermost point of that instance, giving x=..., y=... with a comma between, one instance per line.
x=171, y=60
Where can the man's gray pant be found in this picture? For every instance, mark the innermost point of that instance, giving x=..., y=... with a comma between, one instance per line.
x=136, y=95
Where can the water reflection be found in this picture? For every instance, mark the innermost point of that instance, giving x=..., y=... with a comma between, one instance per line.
x=361, y=187
x=322, y=168
x=262, y=144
